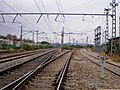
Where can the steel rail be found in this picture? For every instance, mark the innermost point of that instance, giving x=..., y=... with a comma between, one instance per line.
x=18, y=56
x=98, y=59
x=4, y=70
x=19, y=53
x=14, y=83
x=18, y=84
x=99, y=65
x=62, y=73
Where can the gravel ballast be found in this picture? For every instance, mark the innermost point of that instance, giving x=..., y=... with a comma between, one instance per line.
x=85, y=75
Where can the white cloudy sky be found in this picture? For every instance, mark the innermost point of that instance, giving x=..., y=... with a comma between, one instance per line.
x=71, y=23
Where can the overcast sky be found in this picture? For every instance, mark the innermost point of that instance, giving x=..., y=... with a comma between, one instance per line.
x=47, y=24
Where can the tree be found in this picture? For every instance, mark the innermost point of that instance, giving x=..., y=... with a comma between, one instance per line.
x=45, y=42
x=2, y=37
x=11, y=37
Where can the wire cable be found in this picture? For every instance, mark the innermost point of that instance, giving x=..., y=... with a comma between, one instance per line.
x=16, y=20
x=44, y=17
x=7, y=27
x=48, y=19
x=63, y=19
x=16, y=11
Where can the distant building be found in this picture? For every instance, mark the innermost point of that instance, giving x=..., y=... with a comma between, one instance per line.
x=97, y=34
x=16, y=43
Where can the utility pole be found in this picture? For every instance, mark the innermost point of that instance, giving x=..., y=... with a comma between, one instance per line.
x=119, y=33
x=113, y=4
x=73, y=41
x=21, y=38
x=62, y=35
x=69, y=39
x=107, y=25
x=33, y=40
x=36, y=37
x=107, y=29
x=87, y=41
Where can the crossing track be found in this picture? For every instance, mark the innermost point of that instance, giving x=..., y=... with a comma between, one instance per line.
x=50, y=72
x=17, y=68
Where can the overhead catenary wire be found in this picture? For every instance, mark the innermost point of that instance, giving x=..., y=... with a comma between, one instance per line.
x=16, y=21
x=59, y=5
x=48, y=18
x=60, y=8
x=8, y=5
x=7, y=27
x=64, y=16
x=51, y=27
x=20, y=15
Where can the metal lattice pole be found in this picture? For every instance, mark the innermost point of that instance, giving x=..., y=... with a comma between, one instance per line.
x=21, y=42
x=113, y=43
x=107, y=26
x=62, y=39
x=107, y=29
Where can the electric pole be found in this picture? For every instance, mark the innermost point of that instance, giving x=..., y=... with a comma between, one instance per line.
x=33, y=40
x=107, y=25
x=107, y=29
x=119, y=33
x=62, y=35
x=36, y=37
x=69, y=39
x=113, y=4
x=73, y=41
x=21, y=38
x=87, y=41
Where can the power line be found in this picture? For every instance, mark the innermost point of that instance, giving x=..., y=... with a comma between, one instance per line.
x=7, y=27
x=64, y=16
x=81, y=4
x=48, y=19
x=16, y=20
x=51, y=28
x=16, y=15
x=119, y=1
x=61, y=10
x=8, y=5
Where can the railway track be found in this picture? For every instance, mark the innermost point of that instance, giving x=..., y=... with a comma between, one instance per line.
x=8, y=55
x=6, y=58
x=12, y=71
x=108, y=66
x=8, y=64
x=97, y=57
x=47, y=76
x=64, y=71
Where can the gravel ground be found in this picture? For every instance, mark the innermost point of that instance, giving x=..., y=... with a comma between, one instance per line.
x=85, y=75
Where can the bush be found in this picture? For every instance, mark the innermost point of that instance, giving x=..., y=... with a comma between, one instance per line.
x=68, y=47
x=43, y=46
x=27, y=46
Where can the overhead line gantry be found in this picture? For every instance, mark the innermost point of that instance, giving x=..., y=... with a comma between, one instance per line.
x=53, y=13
